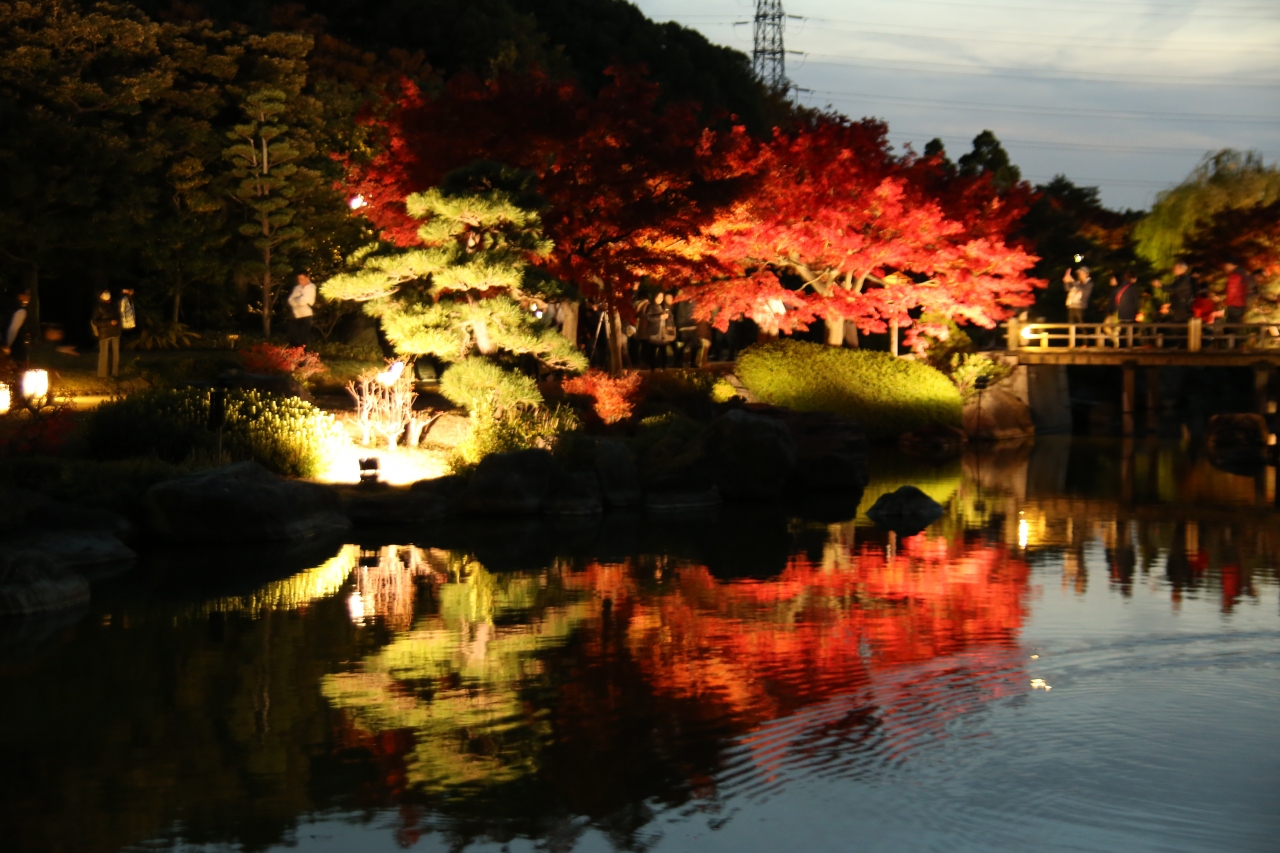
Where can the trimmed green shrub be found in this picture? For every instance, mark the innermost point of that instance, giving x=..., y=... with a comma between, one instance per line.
x=516, y=429
x=886, y=395
x=475, y=383
x=284, y=434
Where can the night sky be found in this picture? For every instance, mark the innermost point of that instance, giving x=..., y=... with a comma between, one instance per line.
x=1125, y=95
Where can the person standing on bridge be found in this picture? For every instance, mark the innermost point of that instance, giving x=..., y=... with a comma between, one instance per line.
x=1125, y=301
x=1079, y=290
x=1240, y=289
x=1182, y=291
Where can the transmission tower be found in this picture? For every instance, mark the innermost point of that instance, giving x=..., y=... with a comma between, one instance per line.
x=768, y=57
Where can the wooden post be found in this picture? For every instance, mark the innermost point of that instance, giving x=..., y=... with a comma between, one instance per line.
x=893, y=337
x=1129, y=369
x=1011, y=329
x=1153, y=400
x=1261, y=381
x=1071, y=337
x=1195, y=328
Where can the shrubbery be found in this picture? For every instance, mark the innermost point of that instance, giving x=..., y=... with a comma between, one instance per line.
x=613, y=398
x=886, y=395
x=284, y=434
x=275, y=360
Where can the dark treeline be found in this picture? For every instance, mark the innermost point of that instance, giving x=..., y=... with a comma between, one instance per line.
x=132, y=138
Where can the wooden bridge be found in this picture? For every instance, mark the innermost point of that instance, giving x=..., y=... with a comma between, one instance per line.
x=1153, y=346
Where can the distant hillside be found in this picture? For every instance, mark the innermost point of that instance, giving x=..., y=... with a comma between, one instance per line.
x=567, y=37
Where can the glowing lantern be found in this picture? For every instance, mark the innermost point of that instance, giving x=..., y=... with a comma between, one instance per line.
x=357, y=202
x=35, y=385
x=6, y=398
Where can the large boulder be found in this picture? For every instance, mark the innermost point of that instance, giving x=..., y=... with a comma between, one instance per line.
x=616, y=470
x=673, y=499
x=576, y=494
x=242, y=503
x=31, y=582
x=514, y=483
x=88, y=552
x=997, y=415
x=907, y=511
x=750, y=457
x=388, y=506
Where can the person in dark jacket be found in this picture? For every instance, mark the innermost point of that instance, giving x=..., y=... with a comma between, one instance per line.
x=106, y=325
x=1182, y=290
x=17, y=332
x=661, y=327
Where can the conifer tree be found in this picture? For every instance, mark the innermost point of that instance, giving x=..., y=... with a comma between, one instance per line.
x=459, y=293
x=264, y=161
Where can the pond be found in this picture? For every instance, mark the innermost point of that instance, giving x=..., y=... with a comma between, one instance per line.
x=1082, y=654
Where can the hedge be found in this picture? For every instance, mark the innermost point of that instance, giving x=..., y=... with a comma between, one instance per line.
x=885, y=394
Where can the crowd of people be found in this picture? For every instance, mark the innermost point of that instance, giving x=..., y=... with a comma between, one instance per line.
x=1181, y=299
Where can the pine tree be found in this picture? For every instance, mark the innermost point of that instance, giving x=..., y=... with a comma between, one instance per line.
x=460, y=291
x=264, y=161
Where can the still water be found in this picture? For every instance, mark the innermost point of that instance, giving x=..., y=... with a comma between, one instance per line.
x=1083, y=654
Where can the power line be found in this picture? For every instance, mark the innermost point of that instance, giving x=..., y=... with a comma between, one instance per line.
x=1086, y=43
x=1077, y=112
x=1142, y=9
x=974, y=70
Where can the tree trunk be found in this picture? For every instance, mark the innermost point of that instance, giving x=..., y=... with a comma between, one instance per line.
x=835, y=330
x=851, y=334
x=177, y=300
x=569, y=321
x=483, y=342
x=266, y=303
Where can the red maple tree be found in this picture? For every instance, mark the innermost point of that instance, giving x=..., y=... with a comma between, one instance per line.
x=836, y=227
x=630, y=182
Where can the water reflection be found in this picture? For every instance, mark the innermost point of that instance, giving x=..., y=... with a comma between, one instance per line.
x=500, y=683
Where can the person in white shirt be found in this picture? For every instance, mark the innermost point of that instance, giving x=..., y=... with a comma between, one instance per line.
x=301, y=300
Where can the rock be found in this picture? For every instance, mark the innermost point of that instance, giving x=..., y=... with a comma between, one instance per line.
x=512, y=483
x=62, y=516
x=1001, y=415
x=242, y=503
x=392, y=507
x=673, y=500
x=616, y=471
x=908, y=511
x=447, y=430
x=85, y=551
x=750, y=457
x=31, y=582
x=575, y=495
x=936, y=441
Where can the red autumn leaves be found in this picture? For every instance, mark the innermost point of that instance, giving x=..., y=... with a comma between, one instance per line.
x=820, y=222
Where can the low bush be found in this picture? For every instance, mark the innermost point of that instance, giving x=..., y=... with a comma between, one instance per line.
x=275, y=360
x=516, y=429
x=285, y=434
x=886, y=395
x=966, y=368
x=613, y=398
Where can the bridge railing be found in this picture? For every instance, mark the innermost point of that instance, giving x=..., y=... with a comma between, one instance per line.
x=1192, y=336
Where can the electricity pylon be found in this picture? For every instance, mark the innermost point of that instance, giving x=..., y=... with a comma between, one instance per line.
x=768, y=56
